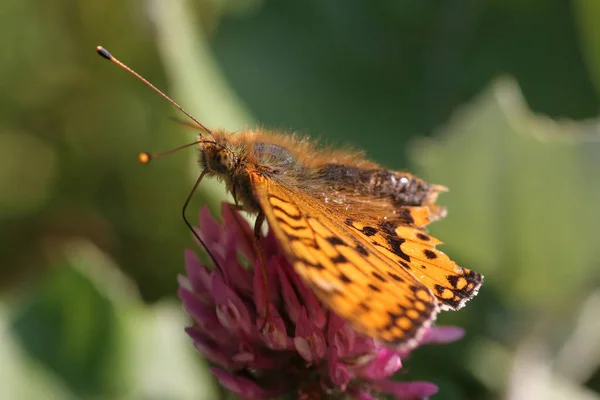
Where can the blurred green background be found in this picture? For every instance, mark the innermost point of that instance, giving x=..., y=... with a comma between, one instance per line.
x=496, y=99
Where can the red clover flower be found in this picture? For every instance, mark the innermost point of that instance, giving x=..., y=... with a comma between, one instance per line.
x=303, y=350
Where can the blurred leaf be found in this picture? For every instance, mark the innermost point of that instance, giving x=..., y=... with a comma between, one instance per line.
x=523, y=191
x=161, y=360
x=87, y=327
x=586, y=14
x=579, y=356
x=22, y=377
x=70, y=327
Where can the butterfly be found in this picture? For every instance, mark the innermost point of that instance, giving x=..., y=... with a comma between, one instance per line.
x=355, y=232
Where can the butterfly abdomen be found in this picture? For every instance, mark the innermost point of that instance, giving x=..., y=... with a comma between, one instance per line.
x=403, y=188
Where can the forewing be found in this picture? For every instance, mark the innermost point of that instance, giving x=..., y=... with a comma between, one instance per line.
x=344, y=268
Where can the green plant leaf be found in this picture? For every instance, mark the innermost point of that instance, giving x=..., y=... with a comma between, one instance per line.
x=90, y=335
x=69, y=326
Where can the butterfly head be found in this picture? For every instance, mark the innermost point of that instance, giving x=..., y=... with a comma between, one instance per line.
x=216, y=157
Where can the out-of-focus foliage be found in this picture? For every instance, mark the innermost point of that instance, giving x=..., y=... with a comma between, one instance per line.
x=498, y=100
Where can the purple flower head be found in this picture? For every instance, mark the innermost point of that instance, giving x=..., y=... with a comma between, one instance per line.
x=274, y=338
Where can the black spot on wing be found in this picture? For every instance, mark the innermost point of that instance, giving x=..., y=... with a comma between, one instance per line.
x=369, y=230
x=453, y=279
x=399, y=317
x=312, y=265
x=429, y=254
x=447, y=296
x=360, y=249
x=344, y=278
x=404, y=265
x=423, y=237
x=395, y=242
x=381, y=278
x=374, y=288
x=404, y=216
x=339, y=259
x=395, y=277
x=388, y=227
x=274, y=196
x=296, y=217
x=334, y=240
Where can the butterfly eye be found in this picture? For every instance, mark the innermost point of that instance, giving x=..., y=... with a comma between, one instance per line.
x=224, y=160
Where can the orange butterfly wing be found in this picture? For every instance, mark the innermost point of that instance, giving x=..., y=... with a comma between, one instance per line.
x=344, y=269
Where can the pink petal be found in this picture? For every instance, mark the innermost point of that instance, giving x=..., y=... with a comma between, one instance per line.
x=243, y=387
x=250, y=356
x=442, y=335
x=204, y=316
x=385, y=364
x=365, y=346
x=274, y=333
x=231, y=310
x=341, y=335
x=236, y=276
x=406, y=390
x=338, y=372
x=216, y=249
x=290, y=299
x=362, y=395
x=198, y=276
x=210, y=230
x=217, y=354
x=309, y=341
x=315, y=311
x=271, y=244
x=273, y=271
x=244, y=235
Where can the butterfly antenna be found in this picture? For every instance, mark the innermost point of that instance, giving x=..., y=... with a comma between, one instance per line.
x=105, y=54
x=184, y=123
x=145, y=157
x=191, y=228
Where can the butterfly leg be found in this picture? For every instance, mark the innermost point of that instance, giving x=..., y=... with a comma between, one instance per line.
x=260, y=219
x=233, y=194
